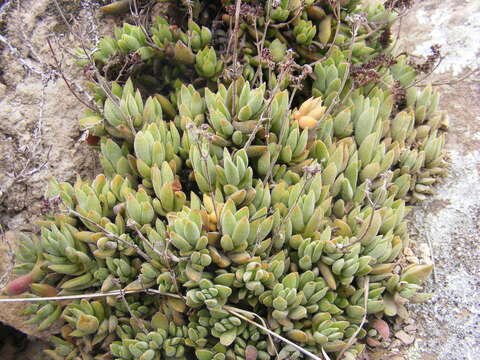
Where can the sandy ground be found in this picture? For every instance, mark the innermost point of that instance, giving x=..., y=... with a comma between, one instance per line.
x=448, y=222
x=36, y=109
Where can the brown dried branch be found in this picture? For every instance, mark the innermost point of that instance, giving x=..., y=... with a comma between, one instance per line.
x=355, y=26
x=112, y=236
x=432, y=70
x=236, y=30
x=99, y=80
x=165, y=255
x=125, y=302
x=238, y=312
x=373, y=204
x=283, y=132
x=453, y=81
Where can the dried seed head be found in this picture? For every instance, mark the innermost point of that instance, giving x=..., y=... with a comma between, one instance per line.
x=312, y=170
x=399, y=4
x=428, y=65
x=267, y=58
x=366, y=73
x=297, y=81
x=51, y=205
x=386, y=37
x=286, y=67
x=356, y=20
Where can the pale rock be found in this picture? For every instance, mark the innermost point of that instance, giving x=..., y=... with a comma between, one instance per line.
x=404, y=337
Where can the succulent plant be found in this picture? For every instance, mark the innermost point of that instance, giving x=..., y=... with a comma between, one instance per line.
x=265, y=191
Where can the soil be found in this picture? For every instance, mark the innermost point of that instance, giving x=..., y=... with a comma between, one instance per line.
x=40, y=139
x=446, y=227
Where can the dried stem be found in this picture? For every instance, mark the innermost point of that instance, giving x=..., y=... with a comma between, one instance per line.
x=237, y=312
x=147, y=242
x=345, y=76
x=284, y=220
x=31, y=153
x=260, y=45
x=426, y=75
x=337, y=13
x=282, y=134
x=262, y=115
x=324, y=353
x=125, y=302
x=89, y=296
x=354, y=335
x=453, y=81
x=236, y=30
x=19, y=57
x=379, y=27
x=111, y=235
x=74, y=93
x=373, y=205
x=210, y=183
x=165, y=255
x=298, y=12
x=100, y=81
x=261, y=320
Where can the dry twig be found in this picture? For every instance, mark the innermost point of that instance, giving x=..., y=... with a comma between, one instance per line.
x=238, y=312
x=112, y=236
x=89, y=296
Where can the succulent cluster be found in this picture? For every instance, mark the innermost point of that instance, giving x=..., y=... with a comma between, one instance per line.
x=242, y=190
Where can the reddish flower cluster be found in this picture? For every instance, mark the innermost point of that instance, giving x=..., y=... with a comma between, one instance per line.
x=50, y=205
x=399, y=4
x=365, y=73
x=428, y=65
x=385, y=37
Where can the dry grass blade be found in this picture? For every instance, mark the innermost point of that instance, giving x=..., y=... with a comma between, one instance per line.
x=264, y=324
x=236, y=312
x=354, y=335
x=324, y=353
x=69, y=86
x=139, y=322
x=373, y=204
x=89, y=296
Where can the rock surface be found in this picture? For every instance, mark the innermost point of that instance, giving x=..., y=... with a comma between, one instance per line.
x=448, y=224
x=39, y=135
x=446, y=227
